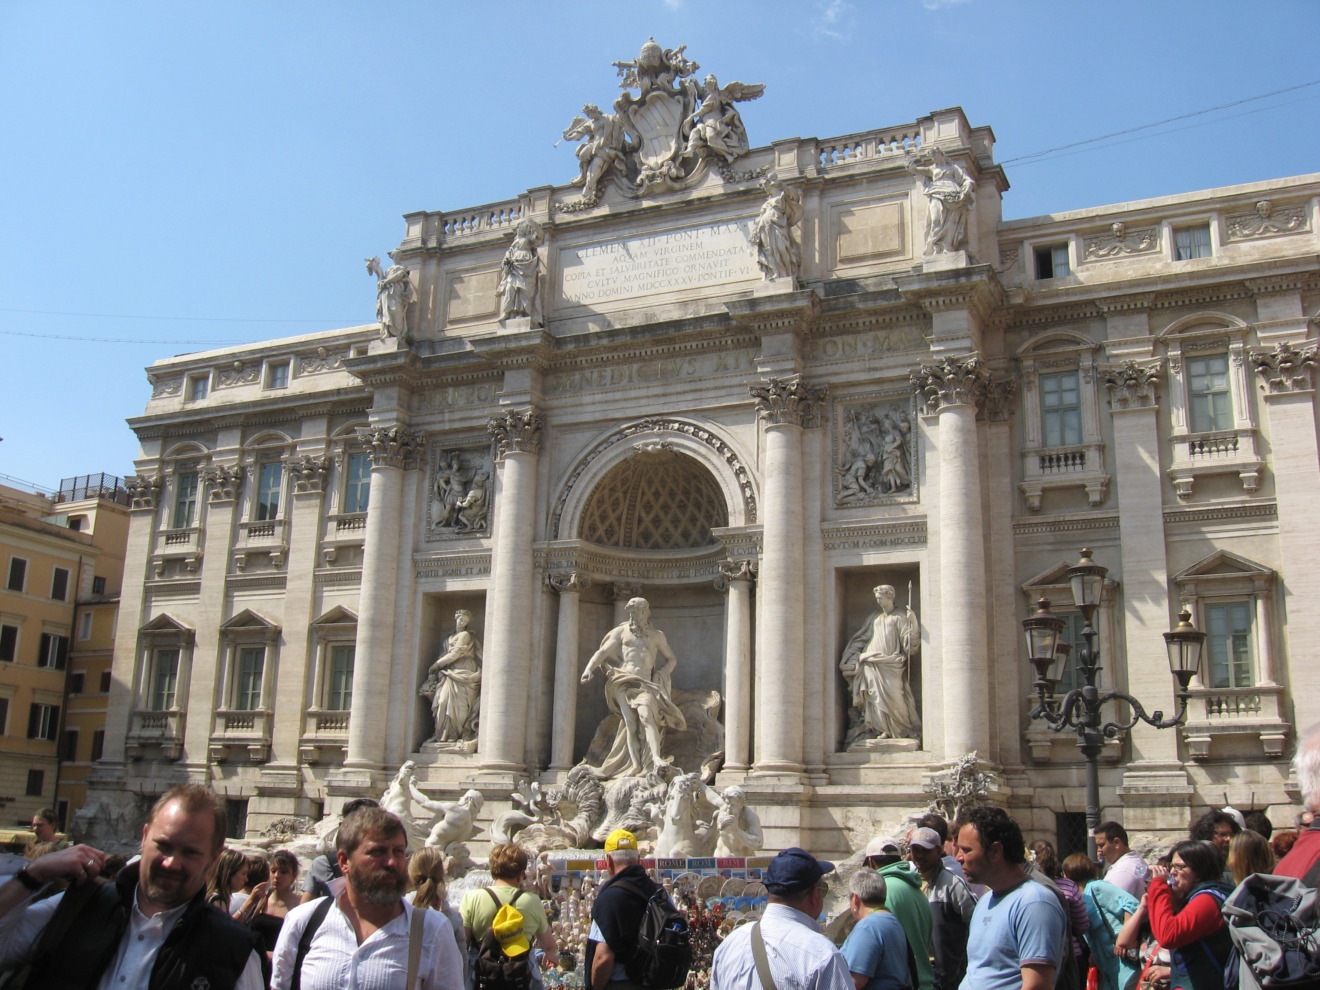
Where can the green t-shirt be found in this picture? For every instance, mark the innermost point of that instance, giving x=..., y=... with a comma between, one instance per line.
x=478, y=910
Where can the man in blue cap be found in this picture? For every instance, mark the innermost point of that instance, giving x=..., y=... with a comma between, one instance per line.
x=785, y=950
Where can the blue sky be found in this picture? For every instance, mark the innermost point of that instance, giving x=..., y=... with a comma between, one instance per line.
x=194, y=172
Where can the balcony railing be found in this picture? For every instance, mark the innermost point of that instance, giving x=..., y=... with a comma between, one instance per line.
x=156, y=728
x=1220, y=452
x=234, y=728
x=1229, y=713
x=324, y=731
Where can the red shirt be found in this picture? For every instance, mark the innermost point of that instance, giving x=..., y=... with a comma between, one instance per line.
x=1303, y=855
x=1173, y=929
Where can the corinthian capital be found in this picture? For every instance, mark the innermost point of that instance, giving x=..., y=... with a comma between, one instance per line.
x=743, y=569
x=516, y=430
x=961, y=381
x=224, y=482
x=565, y=582
x=1285, y=369
x=788, y=401
x=143, y=490
x=391, y=446
x=1132, y=384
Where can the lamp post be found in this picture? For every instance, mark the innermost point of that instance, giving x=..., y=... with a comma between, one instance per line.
x=1080, y=708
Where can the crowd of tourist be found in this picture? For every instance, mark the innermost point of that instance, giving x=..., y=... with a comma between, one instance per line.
x=940, y=906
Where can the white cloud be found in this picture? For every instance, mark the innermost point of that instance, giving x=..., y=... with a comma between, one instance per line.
x=939, y=4
x=834, y=20
x=673, y=4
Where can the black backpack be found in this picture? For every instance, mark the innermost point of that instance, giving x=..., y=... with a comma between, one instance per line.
x=664, y=944
x=494, y=970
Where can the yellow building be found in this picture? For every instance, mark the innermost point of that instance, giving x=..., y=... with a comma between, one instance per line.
x=96, y=505
x=54, y=555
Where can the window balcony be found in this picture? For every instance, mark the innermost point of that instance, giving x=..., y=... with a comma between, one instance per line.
x=343, y=531
x=1228, y=715
x=324, y=732
x=236, y=729
x=183, y=546
x=152, y=728
x=1222, y=452
x=268, y=537
x=1076, y=466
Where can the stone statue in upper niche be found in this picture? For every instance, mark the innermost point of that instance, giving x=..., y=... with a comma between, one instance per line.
x=638, y=692
x=604, y=139
x=950, y=193
x=394, y=293
x=875, y=665
x=520, y=273
x=777, y=251
x=454, y=684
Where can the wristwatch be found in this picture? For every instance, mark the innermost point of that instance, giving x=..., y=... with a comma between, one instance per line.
x=28, y=880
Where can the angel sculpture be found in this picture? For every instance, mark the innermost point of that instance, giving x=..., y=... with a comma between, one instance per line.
x=394, y=292
x=604, y=141
x=717, y=128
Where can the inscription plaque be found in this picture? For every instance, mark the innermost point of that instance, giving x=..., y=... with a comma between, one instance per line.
x=671, y=261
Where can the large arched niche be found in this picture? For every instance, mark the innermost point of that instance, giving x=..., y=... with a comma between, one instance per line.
x=725, y=468
x=635, y=515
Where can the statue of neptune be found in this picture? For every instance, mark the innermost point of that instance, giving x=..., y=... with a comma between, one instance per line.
x=637, y=691
x=875, y=664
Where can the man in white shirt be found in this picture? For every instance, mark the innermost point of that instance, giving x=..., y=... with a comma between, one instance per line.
x=797, y=955
x=1126, y=869
x=365, y=934
x=151, y=926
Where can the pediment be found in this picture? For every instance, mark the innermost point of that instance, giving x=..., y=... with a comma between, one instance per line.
x=166, y=623
x=1223, y=563
x=248, y=621
x=337, y=616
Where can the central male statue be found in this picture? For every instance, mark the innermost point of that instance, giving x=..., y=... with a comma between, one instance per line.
x=875, y=664
x=637, y=691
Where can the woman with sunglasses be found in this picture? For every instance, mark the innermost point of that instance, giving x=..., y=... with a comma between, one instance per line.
x=1183, y=904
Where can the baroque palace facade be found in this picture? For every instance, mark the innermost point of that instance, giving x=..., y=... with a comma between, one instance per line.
x=749, y=385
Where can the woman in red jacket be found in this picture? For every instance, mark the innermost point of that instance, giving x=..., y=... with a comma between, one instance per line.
x=1183, y=906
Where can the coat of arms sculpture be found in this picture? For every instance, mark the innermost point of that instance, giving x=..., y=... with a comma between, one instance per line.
x=665, y=136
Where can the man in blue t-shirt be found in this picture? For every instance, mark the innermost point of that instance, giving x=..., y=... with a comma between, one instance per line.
x=876, y=951
x=1018, y=929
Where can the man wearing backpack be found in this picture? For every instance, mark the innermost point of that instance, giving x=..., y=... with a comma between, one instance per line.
x=365, y=933
x=482, y=906
x=617, y=915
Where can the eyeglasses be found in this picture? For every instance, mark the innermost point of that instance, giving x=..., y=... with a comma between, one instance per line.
x=824, y=889
x=1182, y=868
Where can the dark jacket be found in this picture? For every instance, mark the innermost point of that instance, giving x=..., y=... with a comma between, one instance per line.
x=1200, y=964
x=205, y=945
x=618, y=912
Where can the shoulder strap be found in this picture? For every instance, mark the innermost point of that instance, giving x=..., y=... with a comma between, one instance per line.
x=305, y=941
x=415, y=945
x=761, y=959
x=1312, y=878
x=496, y=897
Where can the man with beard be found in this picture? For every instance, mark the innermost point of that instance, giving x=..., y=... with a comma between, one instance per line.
x=365, y=933
x=151, y=927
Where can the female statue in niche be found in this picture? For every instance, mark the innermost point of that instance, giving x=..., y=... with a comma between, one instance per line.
x=875, y=664
x=455, y=679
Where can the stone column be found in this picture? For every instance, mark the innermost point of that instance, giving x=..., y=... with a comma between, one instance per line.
x=563, y=725
x=1006, y=664
x=736, y=579
x=783, y=405
x=506, y=670
x=953, y=389
x=1286, y=373
x=393, y=450
x=1146, y=605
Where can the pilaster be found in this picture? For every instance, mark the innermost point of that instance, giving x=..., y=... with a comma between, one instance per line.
x=569, y=585
x=736, y=578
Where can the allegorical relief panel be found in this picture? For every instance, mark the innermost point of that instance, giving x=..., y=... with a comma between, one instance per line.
x=460, y=491
x=874, y=449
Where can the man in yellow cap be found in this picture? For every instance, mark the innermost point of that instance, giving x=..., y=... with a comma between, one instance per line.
x=617, y=914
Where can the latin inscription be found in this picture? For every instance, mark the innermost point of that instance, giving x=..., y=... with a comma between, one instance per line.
x=868, y=344
x=672, y=261
x=457, y=395
x=644, y=372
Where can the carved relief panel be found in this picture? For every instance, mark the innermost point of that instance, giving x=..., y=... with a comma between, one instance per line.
x=874, y=449
x=460, y=490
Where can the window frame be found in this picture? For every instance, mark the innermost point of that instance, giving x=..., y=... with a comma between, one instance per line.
x=261, y=510
x=86, y=625
x=186, y=500
x=156, y=697
x=98, y=745
x=98, y=585
x=1080, y=465
x=43, y=721
x=246, y=631
x=1052, y=253
x=15, y=640
x=53, y=651
x=276, y=368
x=1065, y=425
x=200, y=382
x=1179, y=229
x=22, y=563
x=350, y=485
x=55, y=582
x=6, y=703
x=162, y=631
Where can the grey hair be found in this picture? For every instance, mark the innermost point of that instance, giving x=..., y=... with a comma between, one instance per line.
x=869, y=886
x=1306, y=765
x=625, y=857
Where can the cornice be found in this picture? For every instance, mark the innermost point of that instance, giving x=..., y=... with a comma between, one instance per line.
x=505, y=351
x=190, y=422
x=1255, y=509
x=1065, y=524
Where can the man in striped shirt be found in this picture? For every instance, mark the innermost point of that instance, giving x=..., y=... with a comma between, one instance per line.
x=797, y=956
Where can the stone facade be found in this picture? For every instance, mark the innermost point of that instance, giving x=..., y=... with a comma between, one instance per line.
x=667, y=409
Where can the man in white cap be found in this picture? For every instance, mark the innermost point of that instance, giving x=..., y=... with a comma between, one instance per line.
x=951, y=905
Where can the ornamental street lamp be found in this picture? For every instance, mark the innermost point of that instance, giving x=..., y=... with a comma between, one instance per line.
x=1080, y=708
